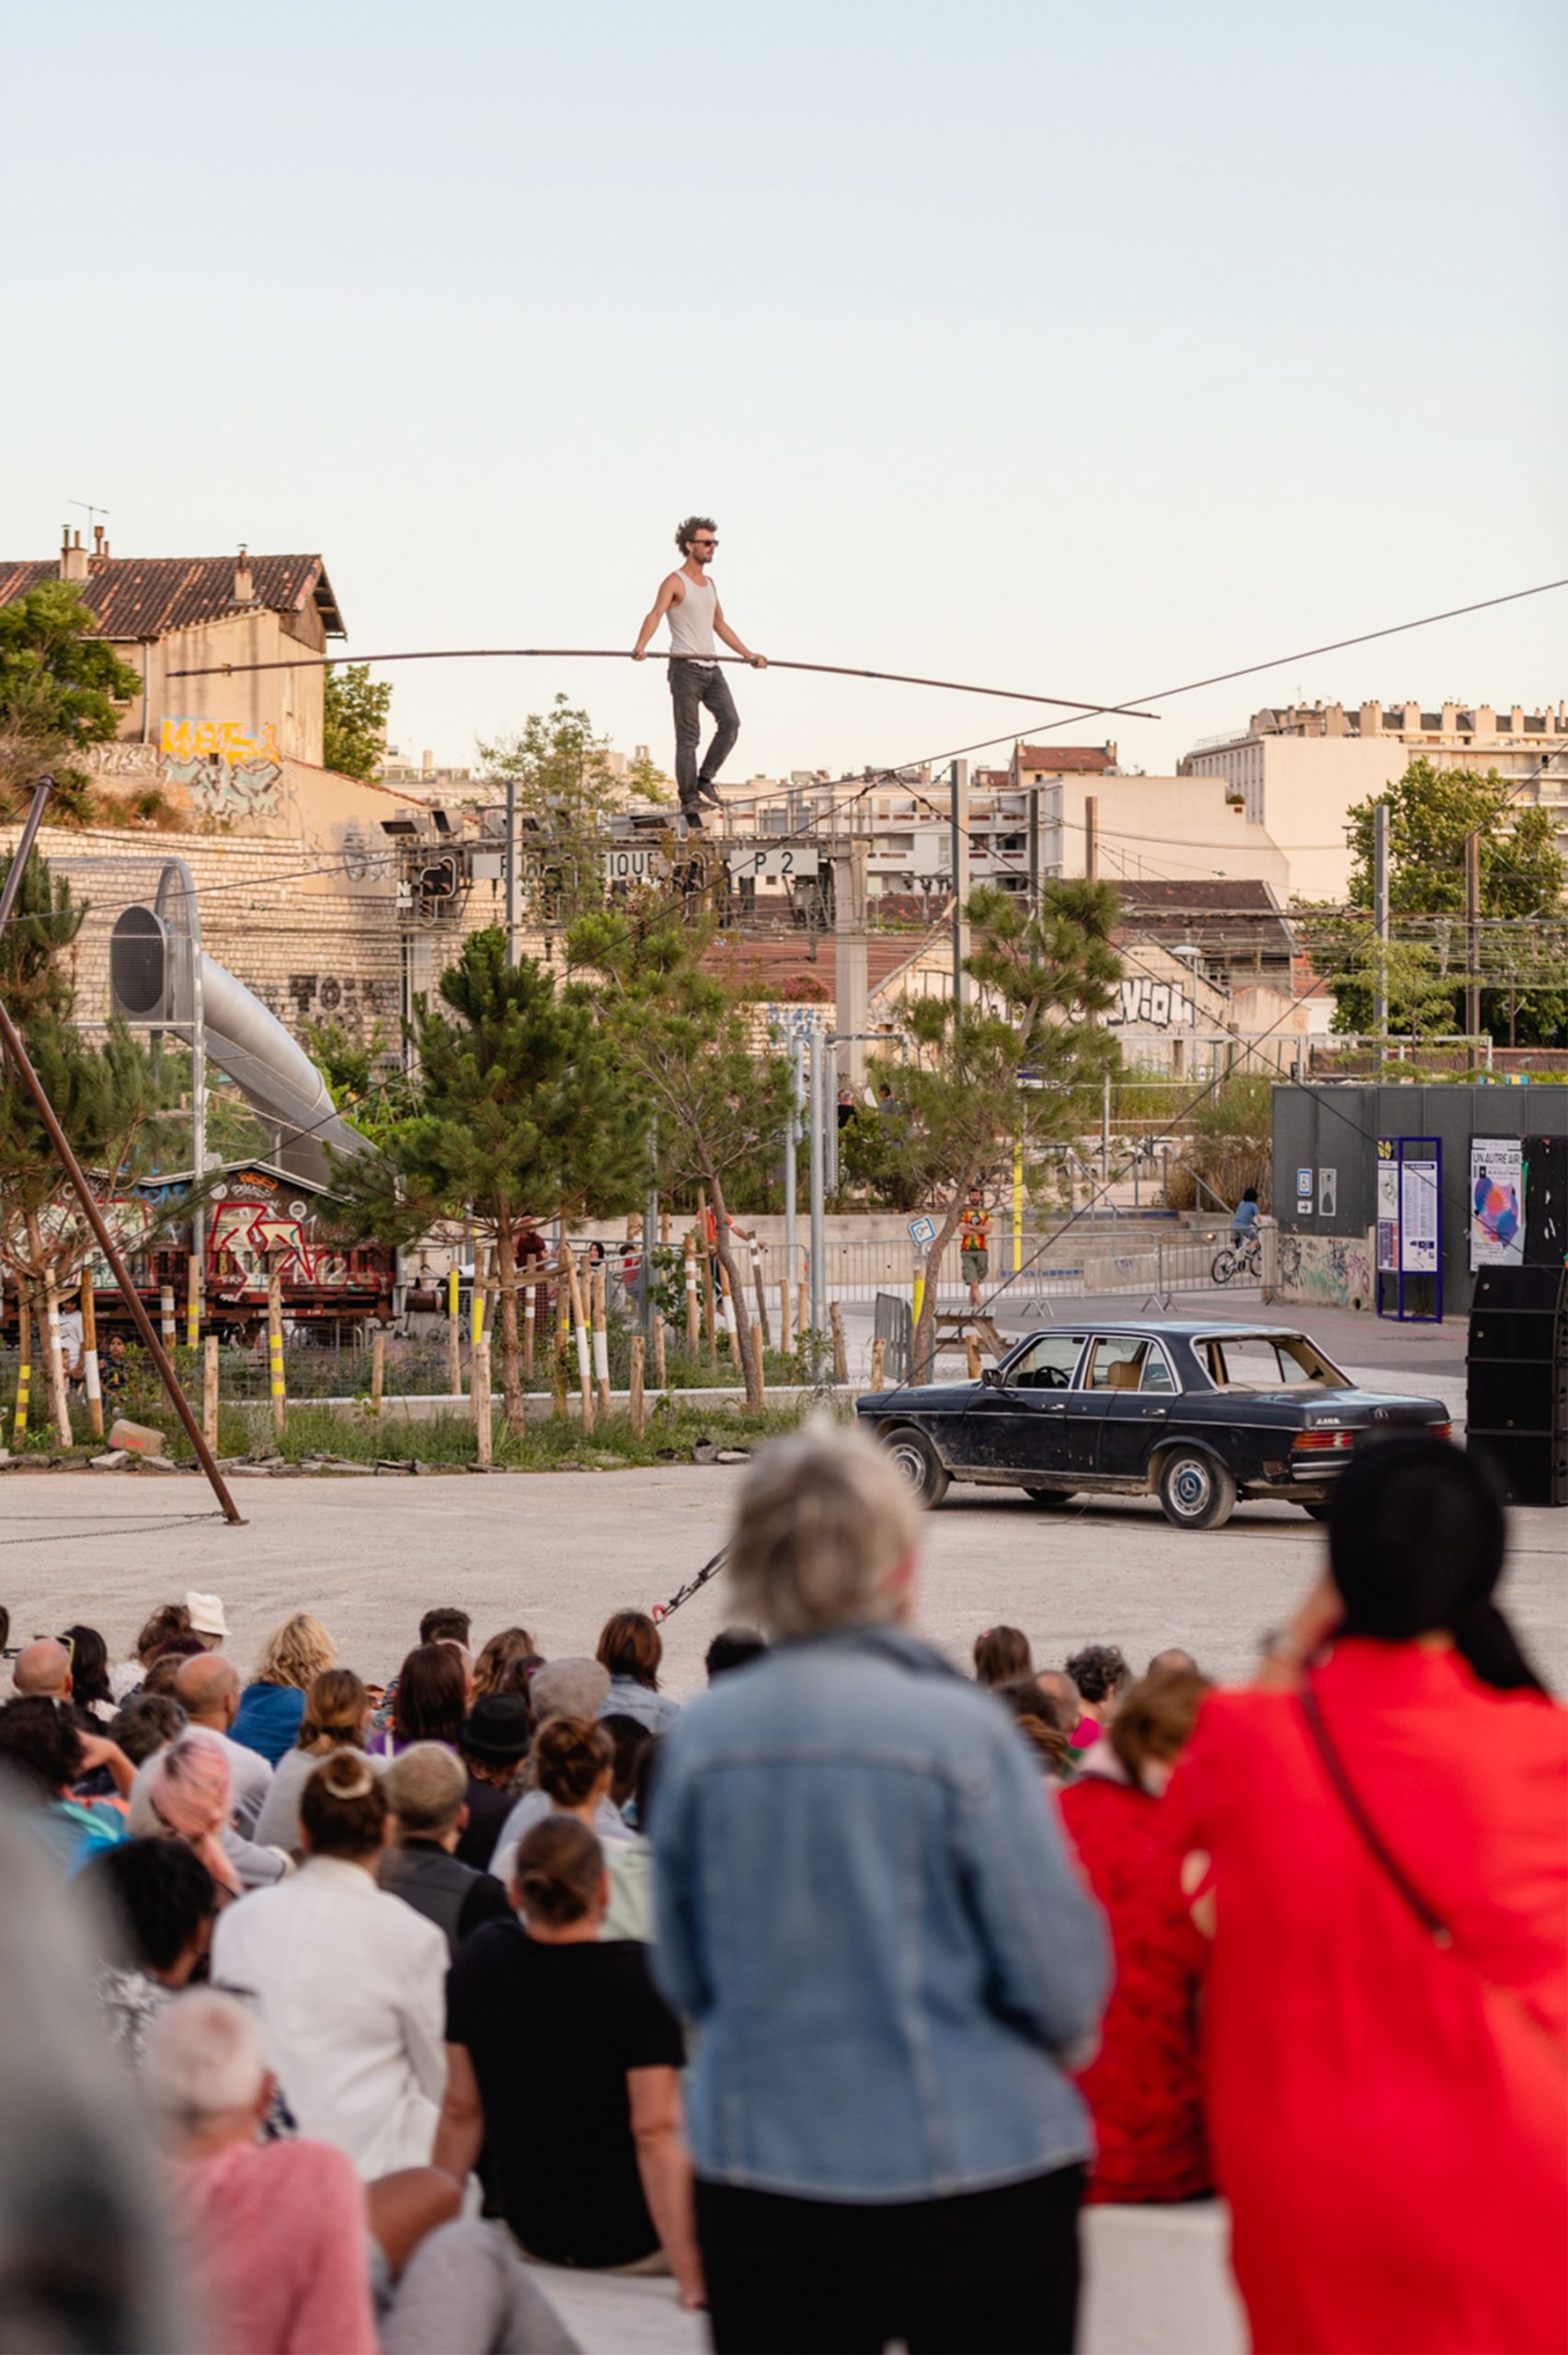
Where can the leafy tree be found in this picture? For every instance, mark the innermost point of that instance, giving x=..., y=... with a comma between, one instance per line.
x=1432, y=811
x=681, y=1038
x=353, y=720
x=517, y=1113
x=367, y=1082
x=1021, y=1064
x=107, y=1098
x=1419, y=987
x=566, y=793
x=1232, y=1136
x=59, y=685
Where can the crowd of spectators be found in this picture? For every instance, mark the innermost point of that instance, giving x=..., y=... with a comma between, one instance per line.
x=833, y=1993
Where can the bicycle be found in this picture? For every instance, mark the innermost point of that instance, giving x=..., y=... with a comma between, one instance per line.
x=1241, y=1260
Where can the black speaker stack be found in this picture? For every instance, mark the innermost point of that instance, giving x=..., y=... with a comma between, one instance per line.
x=1516, y=1379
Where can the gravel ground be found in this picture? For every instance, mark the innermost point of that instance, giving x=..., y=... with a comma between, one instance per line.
x=557, y=1552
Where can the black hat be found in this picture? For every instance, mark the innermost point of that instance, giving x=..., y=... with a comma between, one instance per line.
x=496, y=1730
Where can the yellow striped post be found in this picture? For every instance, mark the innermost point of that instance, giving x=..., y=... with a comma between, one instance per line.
x=24, y=1362
x=275, y=1351
x=1018, y=1206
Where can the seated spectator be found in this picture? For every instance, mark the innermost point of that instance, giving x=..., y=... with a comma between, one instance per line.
x=146, y=1722
x=573, y=1765
x=273, y=2235
x=43, y=1670
x=1099, y=1671
x=188, y=1796
x=493, y=1745
x=167, y=1661
x=1172, y=1657
x=91, y=1691
x=271, y=1707
x=1065, y=1700
x=566, y=1688
x=443, y=1624
x=350, y=1980
x=49, y=1754
x=563, y=2069
x=628, y=1738
x=628, y=1864
x=1001, y=1655
x=630, y=1649
x=733, y=1648
x=168, y=1619
x=494, y=1671
x=336, y=1713
x=208, y=1690
x=1039, y=1724
x=427, y=1789
x=158, y=1903
x=1144, y=2085
x=430, y=1699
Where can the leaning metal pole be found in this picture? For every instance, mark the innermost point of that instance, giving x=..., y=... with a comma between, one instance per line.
x=11, y=1041
x=24, y=849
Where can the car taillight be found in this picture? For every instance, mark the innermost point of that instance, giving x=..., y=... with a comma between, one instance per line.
x=1440, y=1430
x=1320, y=1443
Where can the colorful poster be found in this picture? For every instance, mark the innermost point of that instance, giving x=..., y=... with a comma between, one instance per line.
x=1418, y=1218
x=1496, y=1201
x=1388, y=1215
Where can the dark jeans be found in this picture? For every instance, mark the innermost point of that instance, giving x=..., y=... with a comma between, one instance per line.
x=690, y=686
x=993, y=2270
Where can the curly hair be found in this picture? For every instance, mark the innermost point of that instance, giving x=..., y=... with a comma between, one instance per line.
x=1099, y=1670
x=687, y=531
x=296, y=1652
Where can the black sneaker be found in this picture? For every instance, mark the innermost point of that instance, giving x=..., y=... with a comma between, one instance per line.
x=710, y=792
x=691, y=812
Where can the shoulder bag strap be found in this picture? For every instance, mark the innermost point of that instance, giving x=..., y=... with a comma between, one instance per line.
x=1393, y=1871
x=1377, y=1847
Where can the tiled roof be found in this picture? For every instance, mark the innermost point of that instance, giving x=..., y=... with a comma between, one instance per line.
x=1238, y=912
x=773, y=962
x=151, y=596
x=1073, y=758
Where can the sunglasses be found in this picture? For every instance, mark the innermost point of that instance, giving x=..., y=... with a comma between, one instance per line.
x=701, y=542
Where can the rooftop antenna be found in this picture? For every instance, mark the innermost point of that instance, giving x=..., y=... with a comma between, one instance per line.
x=91, y=512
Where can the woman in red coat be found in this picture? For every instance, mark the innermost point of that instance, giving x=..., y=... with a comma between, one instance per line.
x=1144, y=2085
x=1379, y=1843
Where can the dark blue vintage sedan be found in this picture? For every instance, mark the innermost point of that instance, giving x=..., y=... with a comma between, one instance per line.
x=1198, y=1414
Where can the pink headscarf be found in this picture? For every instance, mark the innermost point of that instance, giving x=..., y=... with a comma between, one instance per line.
x=190, y=1793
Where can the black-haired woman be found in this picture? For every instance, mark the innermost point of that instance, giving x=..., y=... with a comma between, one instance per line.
x=563, y=2067
x=1375, y=1839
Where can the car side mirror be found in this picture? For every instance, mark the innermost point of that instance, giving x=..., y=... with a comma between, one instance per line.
x=991, y=1378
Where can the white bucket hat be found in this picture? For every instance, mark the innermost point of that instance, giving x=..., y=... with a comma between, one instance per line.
x=206, y=1614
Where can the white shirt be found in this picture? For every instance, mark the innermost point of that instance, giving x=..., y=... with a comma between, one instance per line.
x=351, y=1988
x=250, y=1779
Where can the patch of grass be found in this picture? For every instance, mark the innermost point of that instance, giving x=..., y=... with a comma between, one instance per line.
x=447, y=1441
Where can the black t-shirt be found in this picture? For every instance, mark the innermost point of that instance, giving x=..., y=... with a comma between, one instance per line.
x=552, y=2032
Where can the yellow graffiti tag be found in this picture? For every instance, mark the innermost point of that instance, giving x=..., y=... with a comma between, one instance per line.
x=230, y=739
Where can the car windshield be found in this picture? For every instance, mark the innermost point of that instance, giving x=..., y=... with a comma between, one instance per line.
x=1267, y=1361
x=1047, y=1363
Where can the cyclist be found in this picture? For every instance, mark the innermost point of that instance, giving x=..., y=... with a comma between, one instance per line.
x=1244, y=1220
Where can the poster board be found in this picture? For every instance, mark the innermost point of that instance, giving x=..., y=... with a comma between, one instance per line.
x=1410, y=1229
x=1496, y=1202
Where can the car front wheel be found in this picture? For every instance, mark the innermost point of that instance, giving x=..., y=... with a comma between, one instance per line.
x=919, y=1463
x=1195, y=1491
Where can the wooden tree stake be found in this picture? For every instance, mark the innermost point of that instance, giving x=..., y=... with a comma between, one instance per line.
x=91, y=1376
x=634, y=1400
x=275, y=1351
x=878, y=1360
x=840, y=1361
x=209, y=1391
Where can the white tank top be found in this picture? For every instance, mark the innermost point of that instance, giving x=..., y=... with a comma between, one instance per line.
x=692, y=621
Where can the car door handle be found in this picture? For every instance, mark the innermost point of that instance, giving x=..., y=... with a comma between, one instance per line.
x=1161, y=1411
x=1058, y=1407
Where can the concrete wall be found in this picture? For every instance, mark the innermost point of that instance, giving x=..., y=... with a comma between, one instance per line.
x=1336, y=1127
x=1148, y=824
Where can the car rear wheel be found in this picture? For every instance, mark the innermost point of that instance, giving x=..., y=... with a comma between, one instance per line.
x=1049, y=1496
x=1316, y=1512
x=919, y=1463
x=1195, y=1491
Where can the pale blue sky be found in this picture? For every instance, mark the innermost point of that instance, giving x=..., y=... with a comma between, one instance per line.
x=1080, y=349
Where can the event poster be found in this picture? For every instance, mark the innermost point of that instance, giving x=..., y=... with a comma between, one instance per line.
x=1418, y=1217
x=1388, y=1212
x=1496, y=1201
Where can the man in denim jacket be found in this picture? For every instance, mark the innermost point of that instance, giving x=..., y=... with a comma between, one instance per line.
x=865, y=1908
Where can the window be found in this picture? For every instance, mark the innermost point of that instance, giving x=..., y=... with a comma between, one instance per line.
x=1048, y=1363
x=1127, y=1361
x=1267, y=1361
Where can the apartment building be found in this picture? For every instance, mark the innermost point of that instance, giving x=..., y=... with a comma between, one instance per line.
x=1298, y=770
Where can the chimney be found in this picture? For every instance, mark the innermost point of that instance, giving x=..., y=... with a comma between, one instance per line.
x=97, y=540
x=245, y=583
x=73, y=557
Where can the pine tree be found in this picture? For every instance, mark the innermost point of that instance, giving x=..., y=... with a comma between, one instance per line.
x=517, y=1115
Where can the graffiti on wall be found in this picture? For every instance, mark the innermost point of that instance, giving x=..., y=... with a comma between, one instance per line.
x=1326, y=1270
x=346, y=998
x=229, y=770
x=247, y=1240
x=1150, y=1005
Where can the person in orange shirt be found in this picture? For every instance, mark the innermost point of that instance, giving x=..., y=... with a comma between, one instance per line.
x=974, y=1245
